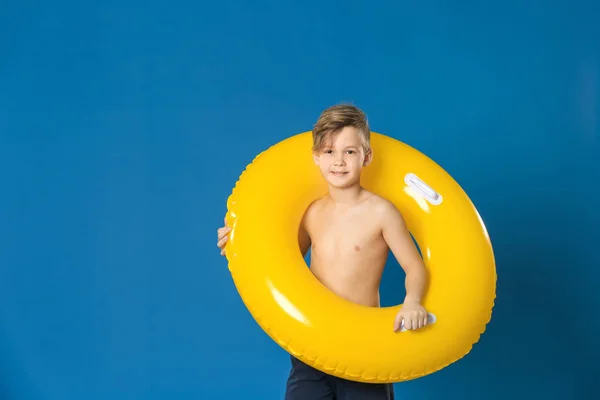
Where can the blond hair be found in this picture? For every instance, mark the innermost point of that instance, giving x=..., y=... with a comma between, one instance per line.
x=336, y=118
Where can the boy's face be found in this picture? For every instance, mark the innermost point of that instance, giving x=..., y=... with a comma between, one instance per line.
x=341, y=160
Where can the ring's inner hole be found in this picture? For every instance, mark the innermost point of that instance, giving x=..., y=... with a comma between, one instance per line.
x=392, y=289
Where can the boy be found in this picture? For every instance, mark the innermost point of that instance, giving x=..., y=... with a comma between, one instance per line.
x=350, y=231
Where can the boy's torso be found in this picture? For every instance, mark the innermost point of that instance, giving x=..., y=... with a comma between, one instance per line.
x=348, y=251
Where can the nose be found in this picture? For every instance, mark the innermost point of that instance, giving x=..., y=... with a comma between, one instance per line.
x=339, y=160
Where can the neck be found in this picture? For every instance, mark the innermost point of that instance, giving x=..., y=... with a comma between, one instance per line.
x=345, y=196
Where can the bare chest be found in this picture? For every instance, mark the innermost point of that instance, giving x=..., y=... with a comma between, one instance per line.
x=339, y=236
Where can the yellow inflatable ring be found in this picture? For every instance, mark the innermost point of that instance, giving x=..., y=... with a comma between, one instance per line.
x=325, y=331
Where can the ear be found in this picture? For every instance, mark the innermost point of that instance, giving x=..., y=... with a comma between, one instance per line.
x=368, y=158
x=315, y=157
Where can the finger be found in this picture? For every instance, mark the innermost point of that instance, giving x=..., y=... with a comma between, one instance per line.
x=223, y=230
x=397, y=322
x=222, y=242
x=221, y=235
x=223, y=252
x=408, y=323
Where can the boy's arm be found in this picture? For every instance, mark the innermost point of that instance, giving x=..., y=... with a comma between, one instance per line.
x=303, y=239
x=398, y=238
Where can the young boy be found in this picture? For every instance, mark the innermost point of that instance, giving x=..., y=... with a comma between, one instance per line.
x=349, y=232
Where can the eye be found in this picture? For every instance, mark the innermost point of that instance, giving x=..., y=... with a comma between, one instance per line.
x=328, y=151
x=351, y=152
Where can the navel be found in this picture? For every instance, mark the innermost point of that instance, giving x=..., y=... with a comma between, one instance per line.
x=356, y=248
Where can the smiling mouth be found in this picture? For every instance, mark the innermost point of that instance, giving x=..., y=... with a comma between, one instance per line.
x=337, y=173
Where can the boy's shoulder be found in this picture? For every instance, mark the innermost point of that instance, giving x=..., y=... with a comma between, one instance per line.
x=381, y=206
x=315, y=206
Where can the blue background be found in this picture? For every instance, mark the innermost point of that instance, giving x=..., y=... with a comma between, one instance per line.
x=124, y=126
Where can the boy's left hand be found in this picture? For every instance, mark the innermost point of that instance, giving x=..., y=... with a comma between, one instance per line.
x=413, y=314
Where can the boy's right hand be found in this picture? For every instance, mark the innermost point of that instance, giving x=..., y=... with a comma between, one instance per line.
x=223, y=236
